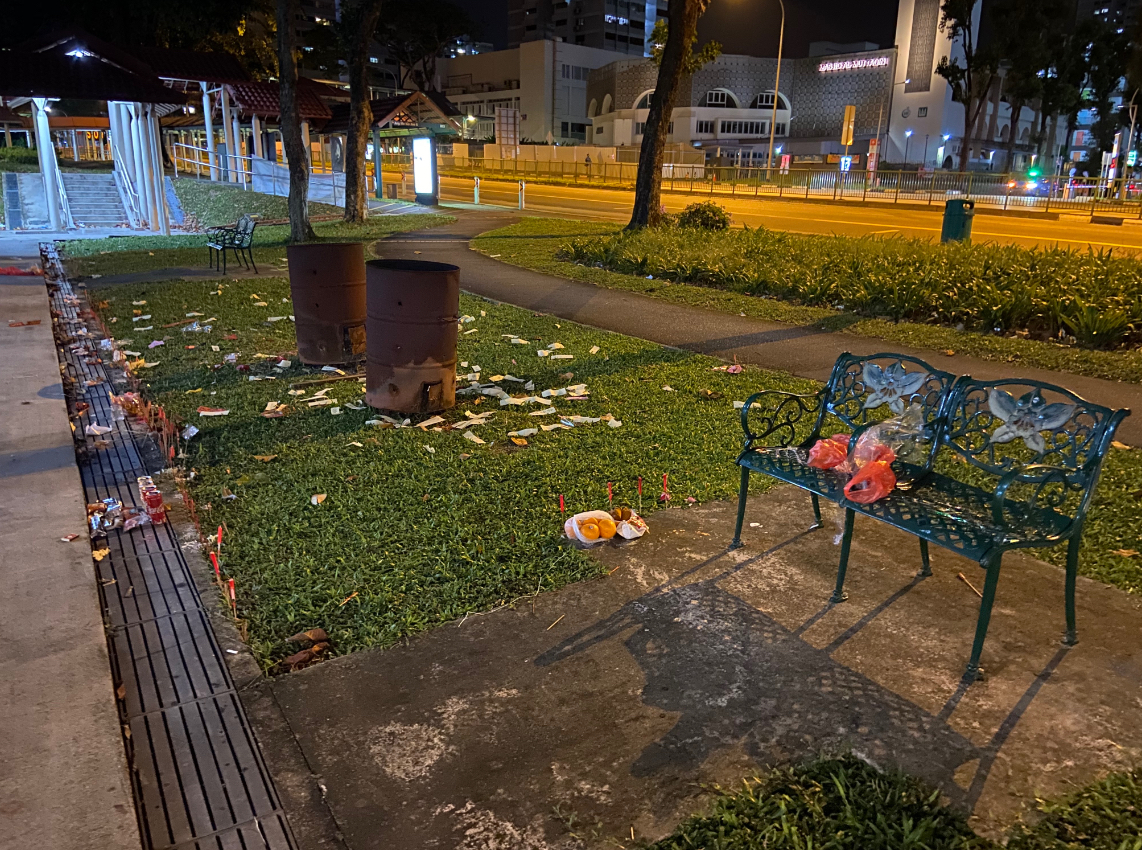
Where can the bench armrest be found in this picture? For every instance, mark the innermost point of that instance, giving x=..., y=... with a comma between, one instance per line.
x=780, y=412
x=1039, y=475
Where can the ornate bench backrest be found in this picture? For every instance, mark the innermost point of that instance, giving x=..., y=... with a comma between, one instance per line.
x=244, y=231
x=863, y=390
x=1030, y=432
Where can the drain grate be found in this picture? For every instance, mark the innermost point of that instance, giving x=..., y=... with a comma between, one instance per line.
x=199, y=779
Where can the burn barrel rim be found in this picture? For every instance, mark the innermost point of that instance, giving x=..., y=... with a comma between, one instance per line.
x=411, y=266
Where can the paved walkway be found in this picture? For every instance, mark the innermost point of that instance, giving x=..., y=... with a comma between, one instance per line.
x=804, y=351
x=65, y=783
x=610, y=704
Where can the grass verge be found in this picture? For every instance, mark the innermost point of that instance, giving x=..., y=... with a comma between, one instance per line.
x=127, y=254
x=533, y=243
x=214, y=203
x=418, y=527
x=844, y=804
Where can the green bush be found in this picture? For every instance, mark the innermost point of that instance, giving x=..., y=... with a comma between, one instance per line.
x=21, y=155
x=844, y=804
x=1000, y=288
x=705, y=215
x=841, y=804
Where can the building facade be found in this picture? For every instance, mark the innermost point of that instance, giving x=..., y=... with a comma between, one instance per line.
x=622, y=26
x=545, y=80
x=727, y=106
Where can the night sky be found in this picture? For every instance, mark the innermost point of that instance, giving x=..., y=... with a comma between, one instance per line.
x=750, y=26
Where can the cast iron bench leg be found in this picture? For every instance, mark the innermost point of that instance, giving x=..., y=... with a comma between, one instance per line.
x=926, y=569
x=742, y=493
x=1072, y=637
x=816, y=511
x=991, y=564
x=839, y=594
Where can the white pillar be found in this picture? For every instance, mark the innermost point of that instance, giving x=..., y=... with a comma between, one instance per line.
x=227, y=134
x=161, y=212
x=211, y=151
x=139, y=164
x=236, y=135
x=48, y=169
x=256, y=130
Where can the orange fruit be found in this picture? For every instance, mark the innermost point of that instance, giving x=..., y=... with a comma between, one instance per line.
x=590, y=529
x=606, y=528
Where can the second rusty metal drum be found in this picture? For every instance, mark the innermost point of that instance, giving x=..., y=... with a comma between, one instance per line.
x=327, y=282
x=413, y=312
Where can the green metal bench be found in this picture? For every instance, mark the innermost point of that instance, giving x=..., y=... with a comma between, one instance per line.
x=1026, y=457
x=239, y=239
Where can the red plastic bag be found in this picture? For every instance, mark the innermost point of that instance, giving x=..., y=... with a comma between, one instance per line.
x=873, y=481
x=829, y=453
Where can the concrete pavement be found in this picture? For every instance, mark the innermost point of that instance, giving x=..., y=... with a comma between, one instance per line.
x=819, y=217
x=804, y=351
x=605, y=709
x=65, y=783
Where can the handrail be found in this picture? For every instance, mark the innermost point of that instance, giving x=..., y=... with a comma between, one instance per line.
x=68, y=222
x=127, y=193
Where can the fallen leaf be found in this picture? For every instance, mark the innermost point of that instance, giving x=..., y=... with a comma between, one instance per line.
x=317, y=498
x=464, y=456
x=1119, y=445
x=100, y=554
x=315, y=635
x=1126, y=553
x=519, y=441
x=264, y=458
x=949, y=352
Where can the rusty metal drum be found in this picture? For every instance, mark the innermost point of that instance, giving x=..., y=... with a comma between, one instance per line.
x=327, y=283
x=411, y=331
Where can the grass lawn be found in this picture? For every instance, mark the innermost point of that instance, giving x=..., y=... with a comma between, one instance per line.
x=843, y=804
x=126, y=254
x=215, y=203
x=533, y=243
x=419, y=527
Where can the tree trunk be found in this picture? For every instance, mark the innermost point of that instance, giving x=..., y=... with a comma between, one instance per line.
x=300, y=229
x=684, y=16
x=361, y=21
x=1013, y=130
x=969, y=125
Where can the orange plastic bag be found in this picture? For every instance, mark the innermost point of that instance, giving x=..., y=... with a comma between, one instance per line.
x=829, y=453
x=873, y=481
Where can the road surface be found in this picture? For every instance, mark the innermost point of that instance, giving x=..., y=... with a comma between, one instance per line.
x=843, y=218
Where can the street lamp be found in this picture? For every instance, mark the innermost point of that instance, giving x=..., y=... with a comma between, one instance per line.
x=776, y=89
x=907, y=141
x=880, y=115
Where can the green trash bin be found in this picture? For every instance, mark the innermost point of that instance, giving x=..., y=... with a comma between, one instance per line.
x=958, y=214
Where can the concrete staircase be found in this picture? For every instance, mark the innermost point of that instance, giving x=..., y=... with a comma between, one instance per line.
x=94, y=200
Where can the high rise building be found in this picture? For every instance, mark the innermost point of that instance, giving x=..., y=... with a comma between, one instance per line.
x=623, y=26
x=1121, y=14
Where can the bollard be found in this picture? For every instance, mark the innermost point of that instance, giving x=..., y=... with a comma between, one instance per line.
x=521, y=188
x=476, y=191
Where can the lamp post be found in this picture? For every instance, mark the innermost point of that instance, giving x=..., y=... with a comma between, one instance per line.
x=907, y=141
x=776, y=89
x=891, y=96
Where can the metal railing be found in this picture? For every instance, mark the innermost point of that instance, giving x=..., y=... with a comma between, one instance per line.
x=270, y=180
x=1016, y=192
x=127, y=192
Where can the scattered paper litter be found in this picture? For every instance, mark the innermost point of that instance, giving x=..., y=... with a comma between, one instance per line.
x=555, y=346
x=133, y=353
x=562, y=356
x=555, y=425
x=214, y=348
x=272, y=405
x=517, y=341
x=335, y=411
x=355, y=443
x=551, y=393
x=213, y=411
x=667, y=388
x=354, y=405
x=147, y=328
x=472, y=438
x=189, y=431
x=141, y=318
x=261, y=304
x=594, y=349
x=156, y=343
x=274, y=318
x=466, y=318
x=317, y=499
x=428, y=423
x=523, y=432
x=543, y=352
x=430, y=450
x=322, y=402
x=297, y=392
x=284, y=364
x=547, y=411
x=333, y=369
x=463, y=364
x=614, y=423
x=472, y=331
x=97, y=430
x=138, y=303
x=193, y=315
x=739, y=405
